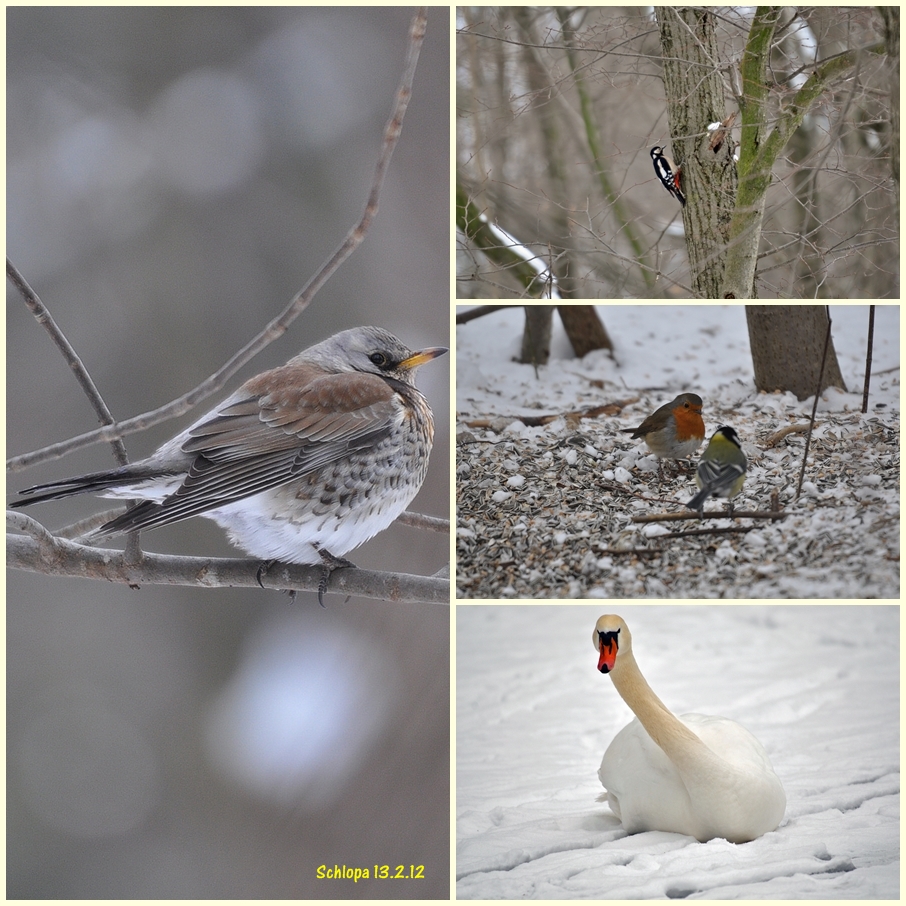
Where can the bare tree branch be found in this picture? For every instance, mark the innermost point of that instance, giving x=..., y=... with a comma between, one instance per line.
x=46, y=320
x=423, y=521
x=39, y=551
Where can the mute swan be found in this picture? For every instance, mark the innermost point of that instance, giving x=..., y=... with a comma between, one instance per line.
x=703, y=776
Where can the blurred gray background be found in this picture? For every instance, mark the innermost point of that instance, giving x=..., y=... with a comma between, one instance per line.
x=174, y=177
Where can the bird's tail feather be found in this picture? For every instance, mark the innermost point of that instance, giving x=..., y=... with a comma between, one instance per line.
x=94, y=483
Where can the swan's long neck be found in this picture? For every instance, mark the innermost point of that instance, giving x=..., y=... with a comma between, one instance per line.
x=680, y=744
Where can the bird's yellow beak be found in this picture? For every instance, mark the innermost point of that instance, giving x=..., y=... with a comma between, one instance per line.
x=422, y=356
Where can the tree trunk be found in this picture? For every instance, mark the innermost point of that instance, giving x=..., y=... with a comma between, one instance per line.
x=584, y=328
x=695, y=98
x=536, y=338
x=787, y=343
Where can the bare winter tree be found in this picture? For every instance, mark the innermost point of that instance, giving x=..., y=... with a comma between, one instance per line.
x=558, y=109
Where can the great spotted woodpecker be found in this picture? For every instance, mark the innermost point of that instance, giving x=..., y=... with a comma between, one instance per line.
x=668, y=173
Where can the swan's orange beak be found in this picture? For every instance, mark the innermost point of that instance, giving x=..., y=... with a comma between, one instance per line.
x=607, y=645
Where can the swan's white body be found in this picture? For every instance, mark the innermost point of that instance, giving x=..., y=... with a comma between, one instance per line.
x=703, y=776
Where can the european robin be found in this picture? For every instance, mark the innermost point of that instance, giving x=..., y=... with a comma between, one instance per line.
x=675, y=430
x=721, y=470
x=302, y=463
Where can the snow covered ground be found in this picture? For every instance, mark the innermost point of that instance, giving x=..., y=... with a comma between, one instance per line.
x=817, y=684
x=544, y=511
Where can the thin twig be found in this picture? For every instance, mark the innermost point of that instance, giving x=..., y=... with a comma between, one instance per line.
x=614, y=408
x=778, y=436
x=712, y=514
x=634, y=551
x=46, y=320
x=278, y=326
x=811, y=424
x=84, y=379
x=726, y=530
x=868, y=353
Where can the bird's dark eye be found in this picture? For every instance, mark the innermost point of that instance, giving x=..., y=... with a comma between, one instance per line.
x=379, y=359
